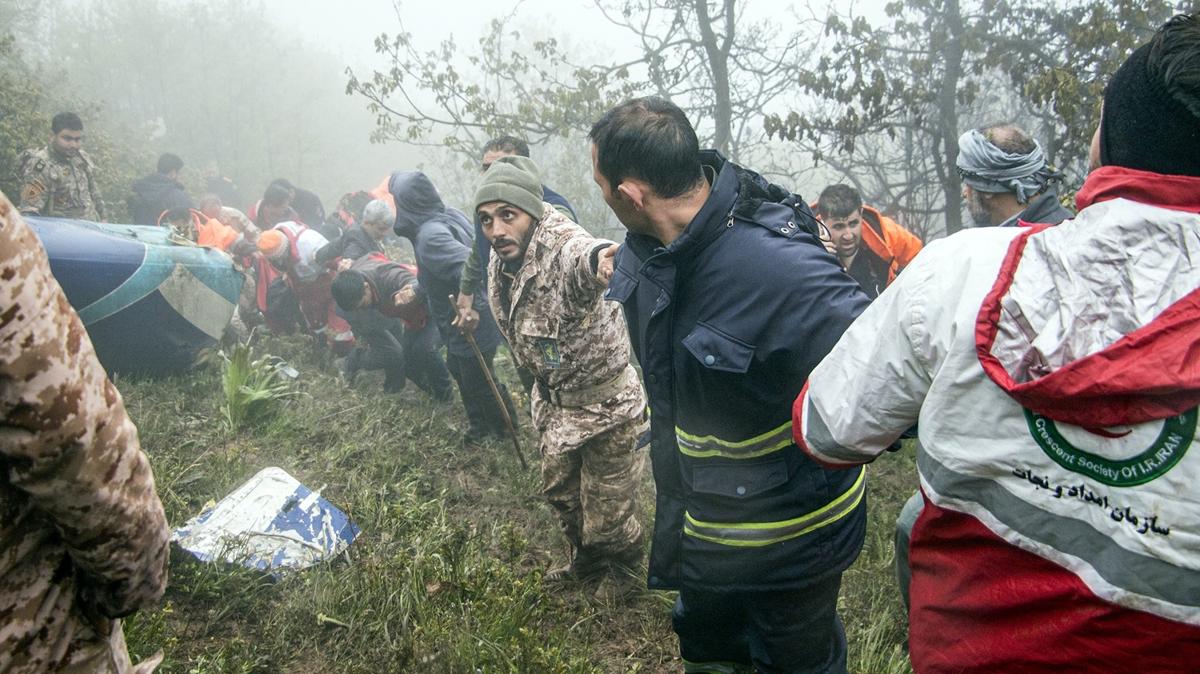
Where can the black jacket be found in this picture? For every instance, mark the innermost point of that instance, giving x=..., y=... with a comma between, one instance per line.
x=1045, y=209
x=728, y=321
x=352, y=245
x=154, y=194
x=441, y=239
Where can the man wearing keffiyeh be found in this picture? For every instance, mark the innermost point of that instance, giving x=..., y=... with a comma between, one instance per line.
x=1006, y=178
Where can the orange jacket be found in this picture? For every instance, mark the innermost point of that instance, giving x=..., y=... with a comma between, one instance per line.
x=215, y=234
x=889, y=241
x=886, y=238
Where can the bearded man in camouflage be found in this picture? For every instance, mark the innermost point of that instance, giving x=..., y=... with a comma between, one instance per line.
x=546, y=285
x=83, y=539
x=59, y=180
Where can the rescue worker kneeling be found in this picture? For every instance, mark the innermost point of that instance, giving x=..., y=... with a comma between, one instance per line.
x=547, y=296
x=380, y=301
x=290, y=248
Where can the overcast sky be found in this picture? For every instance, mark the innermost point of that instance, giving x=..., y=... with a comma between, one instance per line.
x=352, y=25
x=349, y=27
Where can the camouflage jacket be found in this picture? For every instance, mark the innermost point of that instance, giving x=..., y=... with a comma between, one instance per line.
x=62, y=187
x=553, y=313
x=83, y=538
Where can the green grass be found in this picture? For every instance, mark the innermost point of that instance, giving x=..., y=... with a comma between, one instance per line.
x=447, y=574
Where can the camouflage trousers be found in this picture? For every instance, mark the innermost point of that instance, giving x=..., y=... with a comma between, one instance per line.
x=593, y=489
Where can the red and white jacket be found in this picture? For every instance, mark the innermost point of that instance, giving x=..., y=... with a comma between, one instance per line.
x=1055, y=376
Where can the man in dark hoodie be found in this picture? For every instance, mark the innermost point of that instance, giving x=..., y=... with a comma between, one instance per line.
x=1054, y=374
x=158, y=192
x=441, y=240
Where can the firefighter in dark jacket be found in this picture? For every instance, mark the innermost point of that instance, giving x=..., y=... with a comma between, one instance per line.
x=731, y=300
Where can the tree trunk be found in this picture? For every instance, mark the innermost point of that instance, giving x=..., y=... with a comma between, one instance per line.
x=948, y=116
x=718, y=61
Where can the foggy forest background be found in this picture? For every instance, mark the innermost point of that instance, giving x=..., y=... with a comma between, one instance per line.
x=807, y=94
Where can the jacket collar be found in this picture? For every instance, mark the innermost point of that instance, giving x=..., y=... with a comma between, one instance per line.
x=713, y=217
x=708, y=223
x=1177, y=193
x=1044, y=209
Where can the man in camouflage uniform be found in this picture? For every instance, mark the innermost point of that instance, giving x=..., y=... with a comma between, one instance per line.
x=83, y=538
x=547, y=296
x=59, y=180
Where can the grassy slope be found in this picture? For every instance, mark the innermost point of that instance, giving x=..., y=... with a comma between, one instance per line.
x=446, y=576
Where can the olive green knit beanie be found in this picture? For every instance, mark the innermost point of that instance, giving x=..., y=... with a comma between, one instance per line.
x=513, y=180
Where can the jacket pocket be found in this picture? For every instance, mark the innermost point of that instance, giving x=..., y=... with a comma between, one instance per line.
x=739, y=480
x=538, y=344
x=718, y=351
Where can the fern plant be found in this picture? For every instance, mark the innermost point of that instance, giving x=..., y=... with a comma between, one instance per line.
x=253, y=386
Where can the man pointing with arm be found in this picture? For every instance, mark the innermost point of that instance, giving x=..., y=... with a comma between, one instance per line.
x=546, y=293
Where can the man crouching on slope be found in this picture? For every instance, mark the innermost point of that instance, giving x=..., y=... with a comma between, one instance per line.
x=546, y=293
x=1053, y=371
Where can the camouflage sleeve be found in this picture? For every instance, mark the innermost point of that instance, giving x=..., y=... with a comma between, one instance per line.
x=35, y=190
x=65, y=439
x=578, y=258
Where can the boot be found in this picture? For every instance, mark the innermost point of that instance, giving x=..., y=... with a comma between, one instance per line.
x=583, y=568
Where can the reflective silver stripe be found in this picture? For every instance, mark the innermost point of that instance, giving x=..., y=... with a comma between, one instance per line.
x=1130, y=571
x=757, y=534
x=820, y=440
x=707, y=446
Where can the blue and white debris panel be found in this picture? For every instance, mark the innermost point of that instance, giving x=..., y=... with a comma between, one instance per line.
x=271, y=523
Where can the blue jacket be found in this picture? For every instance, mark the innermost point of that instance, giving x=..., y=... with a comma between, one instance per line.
x=727, y=322
x=441, y=239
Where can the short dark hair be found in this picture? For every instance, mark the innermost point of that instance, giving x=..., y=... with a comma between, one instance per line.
x=168, y=162
x=276, y=195
x=510, y=144
x=649, y=139
x=838, y=201
x=65, y=120
x=347, y=289
x=284, y=183
x=1174, y=60
x=1009, y=137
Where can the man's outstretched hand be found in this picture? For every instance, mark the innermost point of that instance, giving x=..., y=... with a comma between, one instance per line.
x=606, y=263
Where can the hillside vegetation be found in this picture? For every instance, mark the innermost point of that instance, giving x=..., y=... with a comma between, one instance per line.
x=447, y=573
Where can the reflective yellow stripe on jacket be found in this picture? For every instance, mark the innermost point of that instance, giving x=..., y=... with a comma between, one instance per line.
x=757, y=534
x=708, y=446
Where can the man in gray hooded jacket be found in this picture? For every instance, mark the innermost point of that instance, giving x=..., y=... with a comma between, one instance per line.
x=442, y=239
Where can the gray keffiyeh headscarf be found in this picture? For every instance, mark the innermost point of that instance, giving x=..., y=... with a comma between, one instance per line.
x=988, y=168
